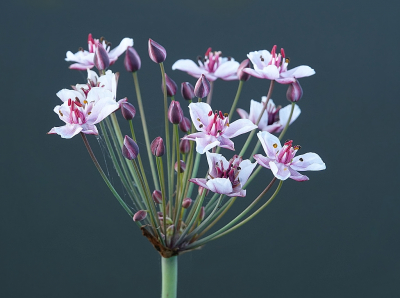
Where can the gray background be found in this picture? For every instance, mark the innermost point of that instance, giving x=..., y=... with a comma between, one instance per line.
x=337, y=235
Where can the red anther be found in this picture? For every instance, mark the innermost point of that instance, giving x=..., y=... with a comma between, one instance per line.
x=273, y=52
x=209, y=113
x=72, y=105
x=221, y=116
x=208, y=52
x=69, y=101
x=76, y=114
x=283, y=53
x=289, y=143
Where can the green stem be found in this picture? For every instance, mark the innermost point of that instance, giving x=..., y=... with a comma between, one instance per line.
x=271, y=88
x=162, y=183
x=169, y=272
x=194, y=173
x=96, y=163
x=145, y=131
x=256, y=148
x=288, y=122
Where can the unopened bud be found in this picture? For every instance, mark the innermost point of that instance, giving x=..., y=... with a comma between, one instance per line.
x=186, y=203
x=187, y=91
x=241, y=74
x=202, y=213
x=130, y=149
x=170, y=230
x=157, y=196
x=132, y=60
x=182, y=168
x=185, y=124
x=171, y=86
x=184, y=146
x=128, y=110
x=101, y=60
x=202, y=189
x=140, y=215
x=202, y=87
x=175, y=113
x=157, y=52
x=157, y=147
x=294, y=92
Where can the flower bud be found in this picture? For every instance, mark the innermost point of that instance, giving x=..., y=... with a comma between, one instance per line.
x=175, y=113
x=157, y=52
x=157, y=147
x=185, y=124
x=187, y=91
x=184, y=146
x=157, y=196
x=186, y=203
x=201, y=189
x=241, y=74
x=128, y=110
x=171, y=86
x=101, y=60
x=182, y=168
x=170, y=230
x=202, y=213
x=294, y=92
x=132, y=60
x=130, y=149
x=140, y=215
x=202, y=87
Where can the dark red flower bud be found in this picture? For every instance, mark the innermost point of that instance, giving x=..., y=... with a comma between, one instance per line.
x=132, y=60
x=157, y=196
x=184, y=146
x=171, y=86
x=140, y=215
x=294, y=92
x=186, y=202
x=241, y=74
x=202, y=87
x=175, y=113
x=187, y=91
x=130, y=149
x=101, y=60
x=157, y=147
x=128, y=110
x=185, y=124
x=182, y=168
x=157, y=52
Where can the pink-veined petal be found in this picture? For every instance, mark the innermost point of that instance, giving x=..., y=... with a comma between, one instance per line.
x=199, y=114
x=297, y=176
x=226, y=143
x=308, y=162
x=270, y=72
x=270, y=143
x=101, y=110
x=254, y=73
x=298, y=72
x=238, y=127
x=206, y=143
x=65, y=94
x=67, y=131
x=213, y=159
x=188, y=66
x=194, y=136
x=242, y=113
x=120, y=49
x=279, y=170
x=255, y=58
x=255, y=110
x=262, y=160
x=241, y=193
x=209, y=76
x=247, y=168
x=63, y=112
x=285, y=81
x=227, y=69
x=220, y=185
x=90, y=129
x=80, y=66
x=284, y=115
x=200, y=182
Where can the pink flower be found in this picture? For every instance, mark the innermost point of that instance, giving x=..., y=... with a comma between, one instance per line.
x=213, y=67
x=84, y=59
x=274, y=118
x=274, y=67
x=226, y=177
x=81, y=113
x=282, y=160
x=214, y=128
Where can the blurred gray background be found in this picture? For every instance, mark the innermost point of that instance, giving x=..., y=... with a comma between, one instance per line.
x=62, y=232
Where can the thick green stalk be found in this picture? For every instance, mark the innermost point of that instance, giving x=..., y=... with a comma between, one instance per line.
x=288, y=122
x=178, y=199
x=145, y=131
x=169, y=272
x=247, y=143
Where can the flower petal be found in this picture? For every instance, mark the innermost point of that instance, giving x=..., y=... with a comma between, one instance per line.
x=65, y=94
x=284, y=115
x=188, y=66
x=120, y=49
x=67, y=131
x=200, y=182
x=238, y=127
x=308, y=162
x=206, y=143
x=81, y=66
x=270, y=143
x=255, y=58
x=297, y=176
x=220, y=185
x=213, y=159
x=254, y=73
x=298, y=72
x=279, y=170
x=262, y=160
x=199, y=114
x=247, y=168
x=226, y=143
x=101, y=110
x=242, y=113
x=194, y=136
x=227, y=69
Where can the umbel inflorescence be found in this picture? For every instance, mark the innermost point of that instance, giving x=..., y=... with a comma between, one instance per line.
x=170, y=206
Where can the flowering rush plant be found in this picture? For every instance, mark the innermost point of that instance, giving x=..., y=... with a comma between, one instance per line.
x=176, y=207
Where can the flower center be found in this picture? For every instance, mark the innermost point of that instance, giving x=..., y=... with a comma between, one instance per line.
x=287, y=153
x=211, y=60
x=217, y=123
x=77, y=111
x=279, y=60
x=232, y=172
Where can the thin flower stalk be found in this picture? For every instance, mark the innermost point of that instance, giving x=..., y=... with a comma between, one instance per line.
x=160, y=170
x=288, y=122
x=209, y=96
x=194, y=173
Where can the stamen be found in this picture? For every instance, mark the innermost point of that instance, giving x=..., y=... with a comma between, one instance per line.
x=85, y=102
x=77, y=99
x=301, y=159
x=69, y=101
x=81, y=49
x=238, y=168
x=201, y=125
x=221, y=116
x=198, y=119
x=60, y=113
x=209, y=113
x=275, y=145
x=226, y=114
x=262, y=59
